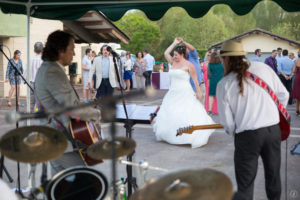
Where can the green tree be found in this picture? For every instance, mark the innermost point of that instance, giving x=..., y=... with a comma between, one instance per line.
x=288, y=30
x=235, y=24
x=201, y=32
x=271, y=17
x=143, y=33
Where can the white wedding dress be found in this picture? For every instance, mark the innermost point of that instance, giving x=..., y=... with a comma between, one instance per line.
x=181, y=108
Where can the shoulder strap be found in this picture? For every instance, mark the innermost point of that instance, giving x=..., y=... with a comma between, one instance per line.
x=265, y=86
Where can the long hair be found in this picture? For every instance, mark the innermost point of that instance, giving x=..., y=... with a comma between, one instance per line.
x=238, y=65
x=57, y=42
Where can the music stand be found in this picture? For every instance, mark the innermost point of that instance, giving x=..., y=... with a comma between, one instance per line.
x=131, y=181
x=136, y=115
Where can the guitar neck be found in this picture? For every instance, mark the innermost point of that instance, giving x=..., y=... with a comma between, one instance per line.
x=211, y=126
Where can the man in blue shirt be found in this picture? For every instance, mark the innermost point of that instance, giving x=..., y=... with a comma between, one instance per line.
x=150, y=62
x=192, y=56
x=258, y=54
x=285, y=68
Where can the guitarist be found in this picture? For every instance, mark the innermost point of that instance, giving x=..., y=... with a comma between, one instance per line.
x=54, y=91
x=249, y=114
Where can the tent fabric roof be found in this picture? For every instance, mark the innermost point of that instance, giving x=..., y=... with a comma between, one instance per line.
x=115, y=9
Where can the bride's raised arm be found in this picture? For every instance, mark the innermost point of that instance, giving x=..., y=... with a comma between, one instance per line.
x=169, y=49
x=193, y=73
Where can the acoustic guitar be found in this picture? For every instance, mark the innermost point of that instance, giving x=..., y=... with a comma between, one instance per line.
x=191, y=129
x=87, y=133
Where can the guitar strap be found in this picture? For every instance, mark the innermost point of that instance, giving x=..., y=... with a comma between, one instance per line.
x=265, y=86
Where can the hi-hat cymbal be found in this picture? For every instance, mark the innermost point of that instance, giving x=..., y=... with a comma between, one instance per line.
x=205, y=184
x=102, y=150
x=33, y=144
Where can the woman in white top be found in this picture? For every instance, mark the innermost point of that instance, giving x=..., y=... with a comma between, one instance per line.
x=127, y=71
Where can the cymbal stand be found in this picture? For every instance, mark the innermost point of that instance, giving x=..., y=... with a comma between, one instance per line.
x=143, y=166
x=3, y=168
x=31, y=176
x=17, y=73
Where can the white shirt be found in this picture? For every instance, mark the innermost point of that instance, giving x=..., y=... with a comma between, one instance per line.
x=255, y=108
x=88, y=64
x=35, y=63
x=150, y=62
x=127, y=65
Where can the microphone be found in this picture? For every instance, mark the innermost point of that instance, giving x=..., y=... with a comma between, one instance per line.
x=13, y=116
x=110, y=50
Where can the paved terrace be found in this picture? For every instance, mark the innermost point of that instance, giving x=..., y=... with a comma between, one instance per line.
x=217, y=154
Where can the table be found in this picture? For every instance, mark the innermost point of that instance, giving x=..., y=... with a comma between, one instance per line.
x=160, y=80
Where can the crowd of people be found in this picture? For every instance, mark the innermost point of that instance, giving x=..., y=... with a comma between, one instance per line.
x=99, y=72
x=287, y=66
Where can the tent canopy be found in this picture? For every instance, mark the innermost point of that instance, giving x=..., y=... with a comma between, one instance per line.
x=115, y=9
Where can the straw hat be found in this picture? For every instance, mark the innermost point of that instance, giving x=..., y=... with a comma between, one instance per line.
x=232, y=48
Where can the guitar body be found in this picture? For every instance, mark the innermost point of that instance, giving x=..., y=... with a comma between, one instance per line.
x=86, y=133
x=284, y=127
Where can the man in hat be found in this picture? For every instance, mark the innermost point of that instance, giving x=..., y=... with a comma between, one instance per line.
x=244, y=111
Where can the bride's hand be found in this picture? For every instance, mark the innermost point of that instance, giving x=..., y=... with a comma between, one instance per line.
x=199, y=96
x=176, y=41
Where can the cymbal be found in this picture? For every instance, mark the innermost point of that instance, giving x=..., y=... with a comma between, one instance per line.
x=33, y=144
x=204, y=184
x=102, y=150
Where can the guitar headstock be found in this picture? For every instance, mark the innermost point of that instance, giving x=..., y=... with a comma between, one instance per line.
x=187, y=129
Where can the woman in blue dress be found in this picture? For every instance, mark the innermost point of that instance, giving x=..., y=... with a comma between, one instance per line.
x=10, y=72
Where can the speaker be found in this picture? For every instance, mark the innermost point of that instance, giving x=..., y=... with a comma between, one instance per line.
x=73, y=68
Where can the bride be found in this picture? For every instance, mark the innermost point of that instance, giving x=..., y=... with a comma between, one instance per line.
x=181, y=106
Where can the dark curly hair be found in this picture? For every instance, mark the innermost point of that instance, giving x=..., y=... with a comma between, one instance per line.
x=238, y=65
x=137, y=54
x=181, y=49
x=57, y=42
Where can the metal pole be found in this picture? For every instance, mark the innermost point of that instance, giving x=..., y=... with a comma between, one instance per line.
x=28, y=6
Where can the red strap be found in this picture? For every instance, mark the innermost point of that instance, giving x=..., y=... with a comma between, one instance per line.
x=265, y=86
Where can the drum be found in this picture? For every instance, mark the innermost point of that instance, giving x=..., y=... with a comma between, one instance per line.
x=77, y=183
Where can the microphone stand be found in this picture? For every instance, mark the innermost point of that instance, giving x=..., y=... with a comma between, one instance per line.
x=130, y=180
x=17, y=72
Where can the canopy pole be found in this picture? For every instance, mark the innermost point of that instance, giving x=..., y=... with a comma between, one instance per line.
x=28, y=6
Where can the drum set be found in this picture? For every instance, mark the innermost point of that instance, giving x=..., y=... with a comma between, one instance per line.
x=40, y=144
